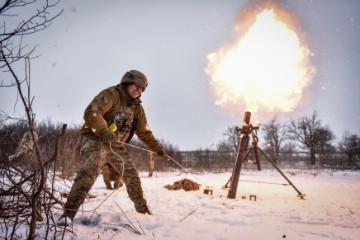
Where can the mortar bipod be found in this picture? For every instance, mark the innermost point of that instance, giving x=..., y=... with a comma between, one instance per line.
x=256, y=150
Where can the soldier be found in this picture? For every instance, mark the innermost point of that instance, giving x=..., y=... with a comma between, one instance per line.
x=109, y=175
x=111, y=119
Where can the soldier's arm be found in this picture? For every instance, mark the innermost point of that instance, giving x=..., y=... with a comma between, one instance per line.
x=145, y=134
x=94, y=113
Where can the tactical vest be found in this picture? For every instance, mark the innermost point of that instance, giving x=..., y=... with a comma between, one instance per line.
x=125, y=122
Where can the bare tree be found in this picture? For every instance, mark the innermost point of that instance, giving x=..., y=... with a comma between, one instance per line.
x=231, y=141
x=15, y=27
x=14, y=54
x=311, y=134
x=350, y=146
x=325, y=137
x=274, y=135
x=289, y=150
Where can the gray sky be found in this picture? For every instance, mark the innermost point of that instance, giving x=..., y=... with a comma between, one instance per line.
x=91, y=45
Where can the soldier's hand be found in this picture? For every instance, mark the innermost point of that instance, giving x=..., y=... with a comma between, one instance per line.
x=108, y=136
x=161, y=152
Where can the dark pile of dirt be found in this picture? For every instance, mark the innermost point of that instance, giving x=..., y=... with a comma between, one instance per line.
x=185, y=184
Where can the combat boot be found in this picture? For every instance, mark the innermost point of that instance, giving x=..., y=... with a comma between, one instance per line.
x=118, y=183
x=108, y=185
x=143, y=208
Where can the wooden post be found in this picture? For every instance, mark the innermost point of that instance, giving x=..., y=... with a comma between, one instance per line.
x=151, y=164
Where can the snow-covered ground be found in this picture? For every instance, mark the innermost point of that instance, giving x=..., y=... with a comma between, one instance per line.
x=330, y=210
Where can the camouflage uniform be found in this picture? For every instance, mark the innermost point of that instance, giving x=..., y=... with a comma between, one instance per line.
x=110, y=174
x=112, y=106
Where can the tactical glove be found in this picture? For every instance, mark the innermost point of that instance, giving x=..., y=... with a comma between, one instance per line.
x=161, y=152
x=108, y=137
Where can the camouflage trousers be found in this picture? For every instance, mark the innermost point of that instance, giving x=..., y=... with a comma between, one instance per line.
x=97, y=154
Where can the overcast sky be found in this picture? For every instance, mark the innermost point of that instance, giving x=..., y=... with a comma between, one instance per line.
x=92, y=44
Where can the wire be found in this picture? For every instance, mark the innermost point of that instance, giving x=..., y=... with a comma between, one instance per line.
x=185, y=170
x=122, y=160
x=275, y=183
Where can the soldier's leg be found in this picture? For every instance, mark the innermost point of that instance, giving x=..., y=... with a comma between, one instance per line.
x=116, y=177
x=131, y=179
x=118, y=182
x=106, y=171
x=91, y=151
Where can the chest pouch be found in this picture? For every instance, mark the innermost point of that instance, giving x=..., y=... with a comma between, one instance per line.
x=134, y=127
x=123, y=123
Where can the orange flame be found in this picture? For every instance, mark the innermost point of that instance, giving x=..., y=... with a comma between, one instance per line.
x=267, y=68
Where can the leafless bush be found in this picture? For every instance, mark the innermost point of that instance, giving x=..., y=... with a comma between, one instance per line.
x=18, y=185
x=23, y=191
x=68, y=159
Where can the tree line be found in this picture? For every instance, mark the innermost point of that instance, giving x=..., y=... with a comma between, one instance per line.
x=304, y=140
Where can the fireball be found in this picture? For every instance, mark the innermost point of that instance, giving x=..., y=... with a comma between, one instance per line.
x=266, y=68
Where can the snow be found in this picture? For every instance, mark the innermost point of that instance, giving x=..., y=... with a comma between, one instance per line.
x=330, y=210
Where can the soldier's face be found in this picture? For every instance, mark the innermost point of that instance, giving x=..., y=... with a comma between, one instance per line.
x=134, y=90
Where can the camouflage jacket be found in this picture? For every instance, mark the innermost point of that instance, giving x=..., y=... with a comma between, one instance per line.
x=114, y=106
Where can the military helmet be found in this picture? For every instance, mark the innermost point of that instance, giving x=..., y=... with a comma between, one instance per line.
x=136, y=77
